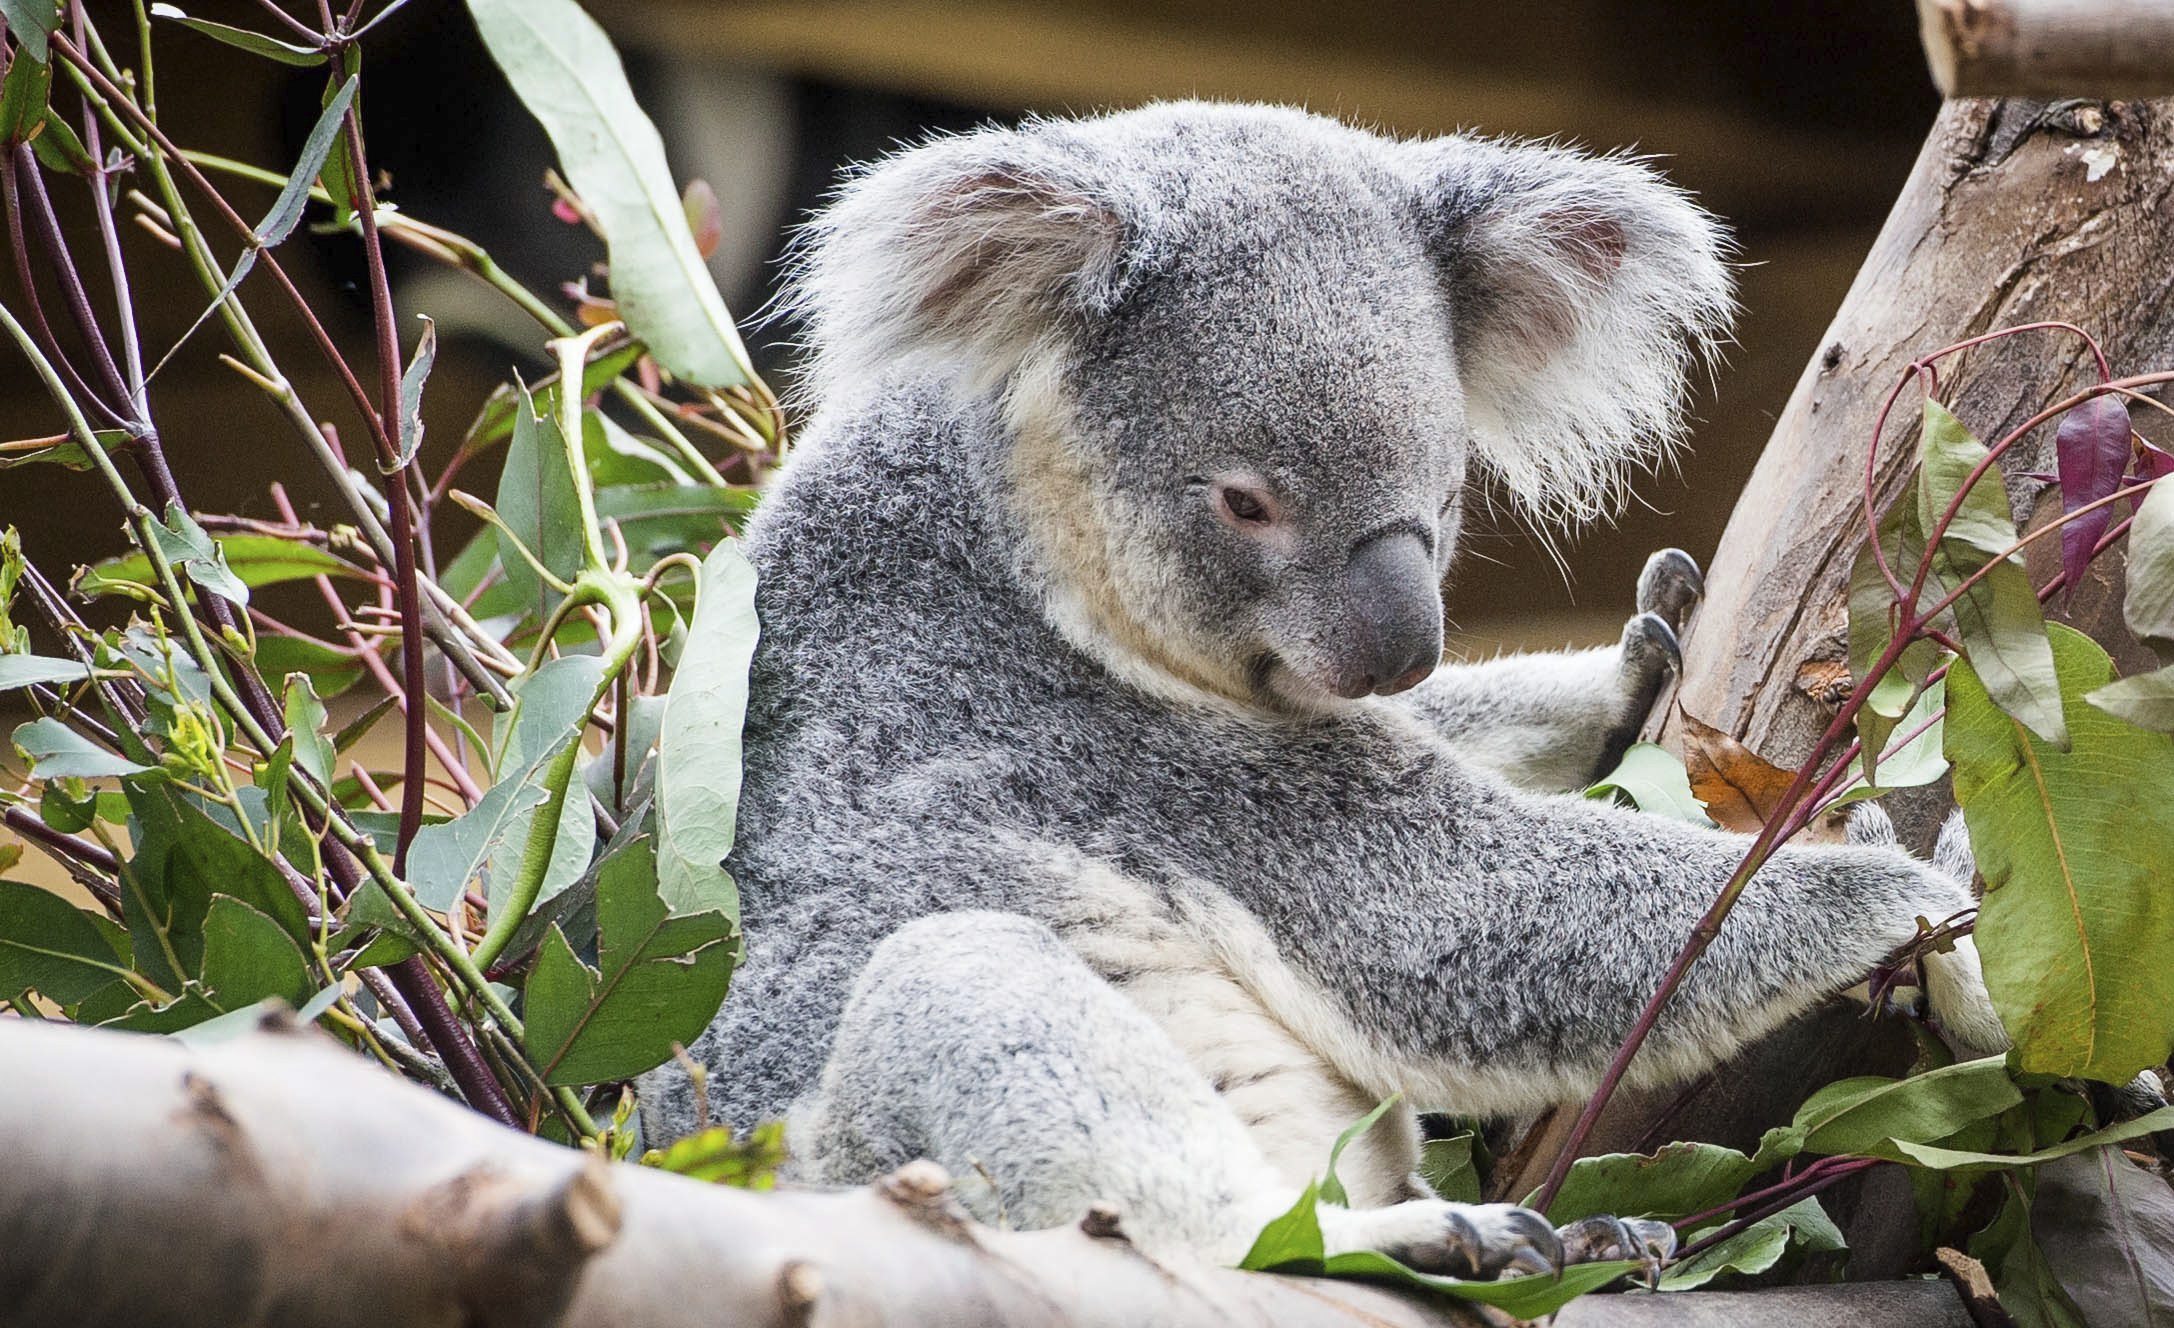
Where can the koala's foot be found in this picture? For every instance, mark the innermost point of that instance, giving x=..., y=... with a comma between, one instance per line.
x=1670, y=584
x=1489, y=1240
x=1650, y=654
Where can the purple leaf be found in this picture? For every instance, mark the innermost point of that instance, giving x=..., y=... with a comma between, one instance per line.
x=2093, y=451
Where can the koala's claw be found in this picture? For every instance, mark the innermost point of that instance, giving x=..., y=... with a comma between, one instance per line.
x=1650, y=649
x=1593, y=1239
x=1458, y=1240
x=1504, y=1240
x=1670, y=584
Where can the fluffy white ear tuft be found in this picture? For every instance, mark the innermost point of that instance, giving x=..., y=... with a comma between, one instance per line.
x=1582, y=291
x=968, y=249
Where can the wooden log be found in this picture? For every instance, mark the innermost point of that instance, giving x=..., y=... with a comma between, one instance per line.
x=279, y=1181
x=2050, y=48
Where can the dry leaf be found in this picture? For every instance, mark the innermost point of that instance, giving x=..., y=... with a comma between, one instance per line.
x=1740, y=788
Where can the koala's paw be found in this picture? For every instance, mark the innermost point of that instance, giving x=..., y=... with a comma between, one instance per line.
x=1670, y=584
x=1491, y=1240
x=1593, y=1239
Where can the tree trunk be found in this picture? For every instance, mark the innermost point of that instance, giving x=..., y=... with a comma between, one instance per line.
x=280, y=1180
x=2049, y=48
x=2016, y=212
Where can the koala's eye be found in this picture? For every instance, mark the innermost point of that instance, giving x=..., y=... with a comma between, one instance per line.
x=1244, y=506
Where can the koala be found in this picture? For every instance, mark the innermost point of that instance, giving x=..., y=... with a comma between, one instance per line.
x=1112, y=828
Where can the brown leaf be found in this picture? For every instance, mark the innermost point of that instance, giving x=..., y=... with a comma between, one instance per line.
x=1740, y=788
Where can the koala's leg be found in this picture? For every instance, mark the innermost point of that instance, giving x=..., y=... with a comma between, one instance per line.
x=1559, y=720
x=981, y=1042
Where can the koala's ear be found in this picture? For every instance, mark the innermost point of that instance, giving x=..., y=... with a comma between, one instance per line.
x=971, y=248
x=1581, y=291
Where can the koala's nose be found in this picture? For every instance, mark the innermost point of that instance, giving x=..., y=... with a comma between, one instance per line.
x=1394, y=634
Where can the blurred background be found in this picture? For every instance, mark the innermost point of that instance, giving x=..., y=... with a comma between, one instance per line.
x=1795, y=120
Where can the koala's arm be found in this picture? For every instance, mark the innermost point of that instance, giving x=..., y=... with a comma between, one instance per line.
x=1493, y=946
x=1560, y=720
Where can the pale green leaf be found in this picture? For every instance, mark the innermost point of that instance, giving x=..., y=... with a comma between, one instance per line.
x=2077, y=926
x=698, y=749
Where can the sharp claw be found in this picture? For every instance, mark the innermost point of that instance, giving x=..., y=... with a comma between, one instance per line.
x=1670, y=584
x=1539, y=1248
x=1463, y=1241
x=1650, y=629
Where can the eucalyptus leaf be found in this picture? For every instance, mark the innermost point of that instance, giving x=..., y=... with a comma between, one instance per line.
x=196, y=555
x=563, y=68
x=1957, y=1159
x=2147, y=606
x=1652, y=777
x=56, y=751
x=1672, y=1182
x=40, y=670
x=2027, y=1287
x=256, y=43
x=2091, y=450
x=54, y=948
x=2145, y=700
x=1332, y=1189
x=305, y=716
x=537, y=503
x=658, y=980
x=411, y=395
x=1758, y=1247
x=1868, y=1115
x=2105, y=1227
x=1998, y=619
x=2076, y=929
x=31, y=22
x=698, y=749
x=23, y=100
x=249, y=958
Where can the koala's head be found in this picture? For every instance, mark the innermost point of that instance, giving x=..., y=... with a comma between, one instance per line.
x=1249, y=360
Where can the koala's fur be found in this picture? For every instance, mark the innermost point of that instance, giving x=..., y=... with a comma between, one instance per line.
x=1062, y=861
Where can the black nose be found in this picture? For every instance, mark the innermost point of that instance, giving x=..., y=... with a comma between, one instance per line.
x=1393, y=636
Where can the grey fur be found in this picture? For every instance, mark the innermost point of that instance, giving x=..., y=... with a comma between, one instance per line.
x=1058, y=860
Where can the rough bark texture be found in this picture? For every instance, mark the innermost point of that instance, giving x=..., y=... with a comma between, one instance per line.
x=2016, y=212
x=2049, y=48
x=280, y=1180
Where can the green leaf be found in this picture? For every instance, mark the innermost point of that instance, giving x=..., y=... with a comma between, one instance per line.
x=1522, y=1298
x=23, y=105
x=659, y=980
x=2028, y=1290
x=2146, y=700
x=182, y=854
x=563, y=68
x=698, y=750
x=2002, y=630
x=248, y=958
x=1872, y=610
x=2077, y=926
x=1676, y=1181
x=536, y=500
x=1915, y=763
x=1448, y=1167
x=35, y=670
x=483, y=844
x=1865, y=1115
x=30, y=22
x=256, y=43
x=660, y=519
x=53, y=947
x=1652, y=777
x=60, y=151
x=305, y=716
x=1292, y=1240
x=1953, y=1159
x=1332, y=1189
x=719, y=1156
x=56, y=751
x=69, y=454
x=2148, y=603
x=411, y=395
x=1757, y=1247
x=196, y=555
